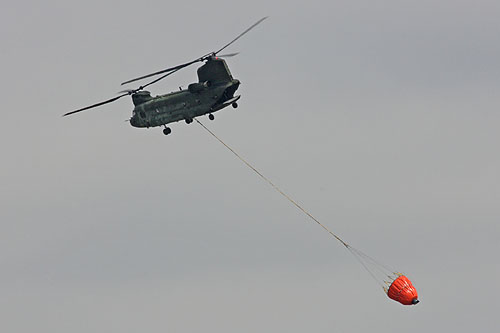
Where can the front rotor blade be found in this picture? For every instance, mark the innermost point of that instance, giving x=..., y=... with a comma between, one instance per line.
x=96, y=105
x=244, y=32
x=125, y=93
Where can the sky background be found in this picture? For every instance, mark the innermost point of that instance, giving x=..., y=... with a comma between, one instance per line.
x=379, y=117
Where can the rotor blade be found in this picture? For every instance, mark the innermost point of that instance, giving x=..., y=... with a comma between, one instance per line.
x=156, y=73
x=244, y=32
x=175, y=68
x=228, y=55
x=96, y=105
x=202, y=58
x=125, y=93
x=128, y=91
x=160, y=78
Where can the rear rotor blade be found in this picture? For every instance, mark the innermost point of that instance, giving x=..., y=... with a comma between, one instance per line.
x=239, y=36
x=175, y=68
x=202, y=58
x=228, y=55
x=167, y=72
x=160, y=78
x=156, y=73
x=98, y=104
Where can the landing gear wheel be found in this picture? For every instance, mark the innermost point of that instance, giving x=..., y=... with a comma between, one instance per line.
x=189, y=120
x=167, y=131
x=211, y=117
x=234, y=105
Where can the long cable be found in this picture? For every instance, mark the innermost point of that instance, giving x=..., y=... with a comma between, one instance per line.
x=357, y=253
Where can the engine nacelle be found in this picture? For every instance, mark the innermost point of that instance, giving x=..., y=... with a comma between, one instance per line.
x=198, y=87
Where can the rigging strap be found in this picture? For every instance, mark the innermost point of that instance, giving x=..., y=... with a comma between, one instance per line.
x=363, y=258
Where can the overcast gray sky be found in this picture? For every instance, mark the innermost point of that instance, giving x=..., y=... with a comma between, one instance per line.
x=380, y=117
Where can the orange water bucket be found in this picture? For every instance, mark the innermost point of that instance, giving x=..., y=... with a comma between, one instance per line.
x=403, y=291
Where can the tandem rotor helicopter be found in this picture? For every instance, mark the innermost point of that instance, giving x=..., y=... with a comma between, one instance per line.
x=214, y=91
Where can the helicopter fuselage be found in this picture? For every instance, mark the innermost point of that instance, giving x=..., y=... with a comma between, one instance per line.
x=200, y=99
x=214, y=91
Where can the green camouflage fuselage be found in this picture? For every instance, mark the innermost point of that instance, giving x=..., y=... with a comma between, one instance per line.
x=214, y=91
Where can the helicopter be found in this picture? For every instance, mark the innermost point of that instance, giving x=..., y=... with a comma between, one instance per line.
x=214, y=91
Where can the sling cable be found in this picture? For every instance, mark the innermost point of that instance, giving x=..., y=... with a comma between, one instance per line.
x=396, y=285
